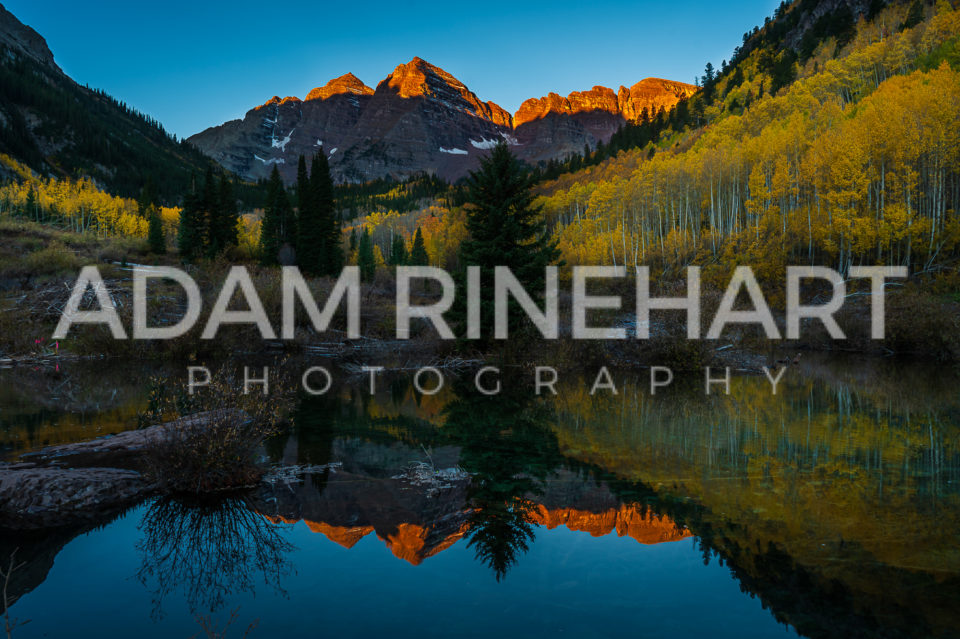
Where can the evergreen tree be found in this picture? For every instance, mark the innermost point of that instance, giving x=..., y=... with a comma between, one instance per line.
x=222, y=216
x=353, y=239
x=303, y=187
x=148, y=198
x=505, y=229
x=418, y=252
x=276, y=219
x=30, y=206
x=709, y=76
x=190, y=231
x=365, y=259
x=310, y=240
x=230, y=216
x=328, y=219
x=156, y=238
x=398, y=251
x=209, y=212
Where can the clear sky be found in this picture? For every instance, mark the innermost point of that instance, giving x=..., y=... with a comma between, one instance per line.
x=197, y=63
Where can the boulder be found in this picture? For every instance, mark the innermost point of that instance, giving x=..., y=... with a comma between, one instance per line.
x=43, y=497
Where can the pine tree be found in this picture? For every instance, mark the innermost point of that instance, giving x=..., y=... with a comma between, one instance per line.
x=222, y=216
x=505, y=229
x=365, y=259
x=191, y=227
x=328, y=219
x=30, y=206
x=310, y=238
x=148, y=198
x=210, y=213
x=418, y=252
x=156, y=238
x=708, y=83
x=276, y=219
x=398, y=251
x=303, y=187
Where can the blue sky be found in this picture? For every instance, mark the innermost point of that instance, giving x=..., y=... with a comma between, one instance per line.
x=194, y=64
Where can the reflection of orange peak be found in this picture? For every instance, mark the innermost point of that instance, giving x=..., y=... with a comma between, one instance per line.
x=346, y=536
x=410, y=542
x=627, y=520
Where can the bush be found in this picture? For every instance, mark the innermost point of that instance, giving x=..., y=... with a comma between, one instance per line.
x=216, y=442
x=55, y=259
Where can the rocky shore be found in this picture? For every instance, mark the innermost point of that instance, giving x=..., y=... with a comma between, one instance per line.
x=78, y=483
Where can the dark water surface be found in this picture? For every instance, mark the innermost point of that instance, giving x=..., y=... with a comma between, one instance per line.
x=831, y=509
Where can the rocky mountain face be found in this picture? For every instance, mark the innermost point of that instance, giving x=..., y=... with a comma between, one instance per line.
x=23, y=39
x=421, y=119
x=553, y=126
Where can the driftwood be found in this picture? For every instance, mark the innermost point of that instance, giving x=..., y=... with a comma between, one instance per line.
x=76, y=483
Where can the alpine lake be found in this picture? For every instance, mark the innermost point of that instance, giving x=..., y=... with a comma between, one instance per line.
x=828, y=509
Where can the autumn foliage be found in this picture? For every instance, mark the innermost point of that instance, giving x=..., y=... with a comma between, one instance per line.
x=856, y=163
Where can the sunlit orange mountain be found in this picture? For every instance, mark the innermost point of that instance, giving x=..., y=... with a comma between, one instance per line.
x=420, y=118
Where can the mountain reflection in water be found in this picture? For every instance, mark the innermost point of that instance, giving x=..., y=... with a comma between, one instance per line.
x=834, y=502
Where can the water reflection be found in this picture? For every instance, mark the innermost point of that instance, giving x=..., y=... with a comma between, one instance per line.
x=209, y=552
x=508, y=448
x=835, y=502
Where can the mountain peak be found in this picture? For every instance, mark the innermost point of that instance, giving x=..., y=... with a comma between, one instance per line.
x=418, y=77
x=22, y=38
x=277, y=100
x=347, y=83
x=652, y=93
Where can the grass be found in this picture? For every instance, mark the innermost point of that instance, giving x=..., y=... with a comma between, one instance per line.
x=32, y=253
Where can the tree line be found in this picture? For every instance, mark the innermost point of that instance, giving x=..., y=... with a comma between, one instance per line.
x=208, y=218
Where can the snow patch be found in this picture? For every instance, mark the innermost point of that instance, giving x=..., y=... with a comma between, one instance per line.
x=455, y=151
x=318, y=143
x=270, y=161
x=484, y=143
x=333, y=150
x=512, y=141
x=282, y=144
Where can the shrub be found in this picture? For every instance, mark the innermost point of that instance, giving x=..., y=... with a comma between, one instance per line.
x=216, y=442
x=55, y=259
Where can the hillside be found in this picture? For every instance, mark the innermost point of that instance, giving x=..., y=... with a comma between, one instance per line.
x=852, y=159
x=61, y=129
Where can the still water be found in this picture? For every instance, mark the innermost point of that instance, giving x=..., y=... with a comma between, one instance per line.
x=831, y=509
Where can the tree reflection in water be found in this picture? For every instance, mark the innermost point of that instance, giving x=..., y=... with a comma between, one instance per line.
x=508, y=448
x=209, y=551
